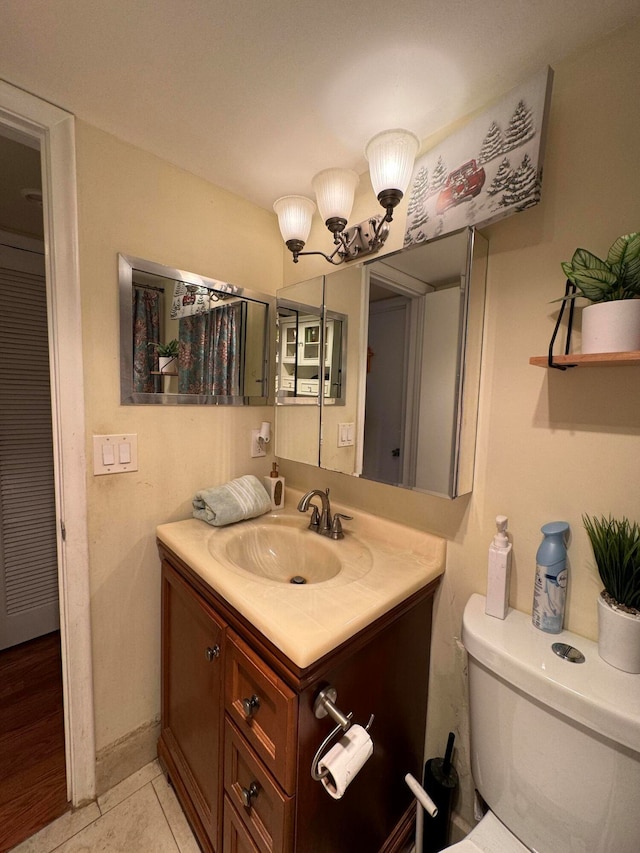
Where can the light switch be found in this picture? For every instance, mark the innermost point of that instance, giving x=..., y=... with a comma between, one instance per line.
x=346, y=434
x=108, y=456
x=115, y=454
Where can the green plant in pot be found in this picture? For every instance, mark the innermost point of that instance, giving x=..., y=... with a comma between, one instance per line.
x=169, y=350
x=167, y=356
x=612, y=322
x=616, y=548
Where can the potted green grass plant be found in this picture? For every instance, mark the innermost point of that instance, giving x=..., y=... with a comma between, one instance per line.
x=167, y=356
x=616, y=548
x=611, y=323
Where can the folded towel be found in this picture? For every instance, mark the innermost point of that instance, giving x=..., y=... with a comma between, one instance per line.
x=236, y=500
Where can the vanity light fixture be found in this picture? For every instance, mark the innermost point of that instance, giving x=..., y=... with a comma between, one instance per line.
x=391, y=155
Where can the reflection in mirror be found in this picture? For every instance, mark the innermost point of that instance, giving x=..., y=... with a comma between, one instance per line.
x=408, y=413
x=343, y=297
x=299, y=344
x=297, y=419
x=189, y=339
x=421, y=365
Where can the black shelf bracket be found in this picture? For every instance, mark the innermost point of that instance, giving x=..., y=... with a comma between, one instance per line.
x=569, y=296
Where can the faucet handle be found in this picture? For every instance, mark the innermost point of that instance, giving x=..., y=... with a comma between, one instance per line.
x=314, y=524
x=336, y=527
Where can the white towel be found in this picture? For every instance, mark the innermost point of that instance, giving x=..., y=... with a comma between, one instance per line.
x=234, y=501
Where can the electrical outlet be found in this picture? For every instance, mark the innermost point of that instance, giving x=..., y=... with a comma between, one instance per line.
x=257, y=447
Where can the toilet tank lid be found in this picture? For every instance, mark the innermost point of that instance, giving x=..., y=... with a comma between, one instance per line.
x=593, y=693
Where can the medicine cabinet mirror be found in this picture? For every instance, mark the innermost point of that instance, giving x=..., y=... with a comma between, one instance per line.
x=222, y=338
x=297, y=415
x=409, y=410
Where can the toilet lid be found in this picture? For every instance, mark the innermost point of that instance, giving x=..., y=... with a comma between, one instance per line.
x=489, y=836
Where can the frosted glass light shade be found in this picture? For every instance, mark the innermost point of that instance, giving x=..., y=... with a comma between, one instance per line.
x=391, y=155
x=334, y=189
x=294, y=217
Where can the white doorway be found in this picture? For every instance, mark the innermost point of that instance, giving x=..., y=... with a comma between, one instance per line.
x=29, y=605
x=35, y=122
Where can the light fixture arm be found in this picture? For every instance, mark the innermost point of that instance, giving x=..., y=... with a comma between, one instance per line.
x=329, y=258
x=362, y=239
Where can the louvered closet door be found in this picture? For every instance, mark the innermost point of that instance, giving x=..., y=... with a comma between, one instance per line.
x=28, y=558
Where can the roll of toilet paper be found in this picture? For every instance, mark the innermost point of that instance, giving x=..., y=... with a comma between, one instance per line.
x=344, y=760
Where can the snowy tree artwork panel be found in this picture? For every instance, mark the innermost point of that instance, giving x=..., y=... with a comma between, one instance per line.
x=489, y=169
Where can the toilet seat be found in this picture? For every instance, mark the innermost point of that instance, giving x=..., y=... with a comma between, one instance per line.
x=489, y=836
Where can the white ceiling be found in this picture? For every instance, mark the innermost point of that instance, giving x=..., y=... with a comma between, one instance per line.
x=258, y=96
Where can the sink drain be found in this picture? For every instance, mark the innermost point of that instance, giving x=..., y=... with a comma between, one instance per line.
x=297, y=579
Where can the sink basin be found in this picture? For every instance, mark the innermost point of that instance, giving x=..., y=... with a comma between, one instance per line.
x=284, y=554
x=349, y=582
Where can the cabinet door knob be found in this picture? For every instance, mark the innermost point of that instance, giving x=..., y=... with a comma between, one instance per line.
x=250, y=706
x=212, y=653
x=249, y=793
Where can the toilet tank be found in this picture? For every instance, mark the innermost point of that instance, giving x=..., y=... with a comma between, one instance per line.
x=555, y=746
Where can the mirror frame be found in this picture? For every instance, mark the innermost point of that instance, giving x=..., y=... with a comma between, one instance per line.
x=128, y=397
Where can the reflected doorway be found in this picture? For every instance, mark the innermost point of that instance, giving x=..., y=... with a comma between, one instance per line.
x=384, y=436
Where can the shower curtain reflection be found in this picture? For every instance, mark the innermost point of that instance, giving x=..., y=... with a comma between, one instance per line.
x=211, y=352
x=146, y=330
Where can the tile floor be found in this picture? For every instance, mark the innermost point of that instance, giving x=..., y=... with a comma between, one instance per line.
x=140, y=815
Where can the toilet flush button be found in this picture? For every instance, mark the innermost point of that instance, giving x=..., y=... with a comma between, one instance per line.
x=570, y=653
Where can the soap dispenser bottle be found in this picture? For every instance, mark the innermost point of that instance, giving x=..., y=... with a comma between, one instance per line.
x=499, y=575
x=275, y=487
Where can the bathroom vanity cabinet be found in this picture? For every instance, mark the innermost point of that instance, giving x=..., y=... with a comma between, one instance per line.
x=239, y=732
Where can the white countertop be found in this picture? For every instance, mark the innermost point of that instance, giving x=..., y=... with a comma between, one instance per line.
x=384, y=563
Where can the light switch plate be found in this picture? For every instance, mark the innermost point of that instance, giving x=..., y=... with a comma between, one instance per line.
x=346, y=435
x=115, y=454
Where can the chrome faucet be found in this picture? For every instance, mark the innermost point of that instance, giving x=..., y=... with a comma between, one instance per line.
x=322, y=522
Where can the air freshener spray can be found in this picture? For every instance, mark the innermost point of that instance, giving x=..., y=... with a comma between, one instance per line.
x=550, y=586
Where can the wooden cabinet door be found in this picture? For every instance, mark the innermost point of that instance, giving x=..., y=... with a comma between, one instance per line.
x=192, y=697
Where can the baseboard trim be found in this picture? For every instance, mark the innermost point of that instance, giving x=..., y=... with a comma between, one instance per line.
x=126, y=755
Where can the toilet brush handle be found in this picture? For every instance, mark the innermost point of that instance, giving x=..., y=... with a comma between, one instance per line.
x=446, y=767
x=421, y=795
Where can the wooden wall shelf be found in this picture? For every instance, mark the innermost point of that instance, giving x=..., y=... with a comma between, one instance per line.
x=597, y=359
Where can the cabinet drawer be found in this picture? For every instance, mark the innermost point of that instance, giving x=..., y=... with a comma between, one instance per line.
x=236, y=839
x=264, y=810
x=270, y=723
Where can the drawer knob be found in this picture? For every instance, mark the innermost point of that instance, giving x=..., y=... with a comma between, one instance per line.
x=250, y=706
x=212, y=653
x=249, y=793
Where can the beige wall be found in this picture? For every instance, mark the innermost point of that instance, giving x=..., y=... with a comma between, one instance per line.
x=551, y=445
x=132, y=202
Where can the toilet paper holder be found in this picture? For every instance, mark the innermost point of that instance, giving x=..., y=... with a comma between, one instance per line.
x=325, y=706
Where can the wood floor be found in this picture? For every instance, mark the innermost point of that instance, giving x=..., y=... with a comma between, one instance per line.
x=32, y=762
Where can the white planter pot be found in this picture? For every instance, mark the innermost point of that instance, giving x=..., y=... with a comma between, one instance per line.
x=168, y=363
x=611, y=326
x=618, y=637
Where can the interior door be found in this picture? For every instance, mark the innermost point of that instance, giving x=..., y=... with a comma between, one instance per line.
x=386, y=391
x=28, y=549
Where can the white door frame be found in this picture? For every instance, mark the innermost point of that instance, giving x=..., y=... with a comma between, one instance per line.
x=28, y=118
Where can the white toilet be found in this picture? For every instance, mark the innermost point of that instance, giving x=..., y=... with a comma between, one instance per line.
x=555, y=745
